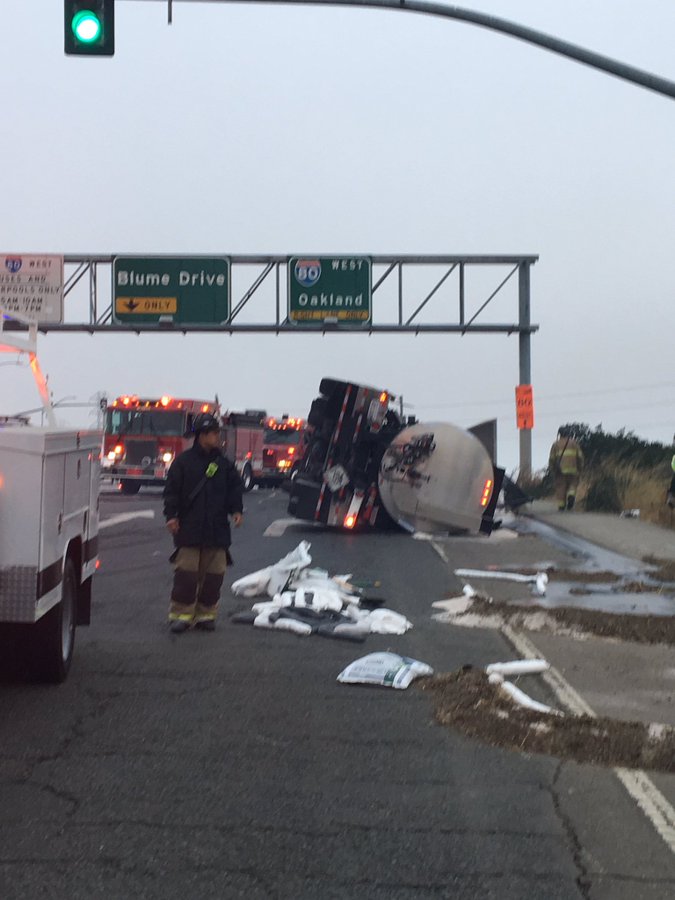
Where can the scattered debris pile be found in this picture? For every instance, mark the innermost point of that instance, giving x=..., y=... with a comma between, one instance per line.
x=309, y=601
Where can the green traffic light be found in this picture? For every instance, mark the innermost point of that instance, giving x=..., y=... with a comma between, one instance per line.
x=86, y=26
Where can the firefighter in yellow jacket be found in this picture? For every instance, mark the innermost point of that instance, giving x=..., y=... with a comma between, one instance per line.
x=566, y=461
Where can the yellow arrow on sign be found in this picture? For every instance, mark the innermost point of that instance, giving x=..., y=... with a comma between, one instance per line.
x=146, y=306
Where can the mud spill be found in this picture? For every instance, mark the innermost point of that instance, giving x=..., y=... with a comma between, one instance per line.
x=466, y=701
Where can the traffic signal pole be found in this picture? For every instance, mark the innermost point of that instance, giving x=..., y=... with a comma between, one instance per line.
x=613, y=67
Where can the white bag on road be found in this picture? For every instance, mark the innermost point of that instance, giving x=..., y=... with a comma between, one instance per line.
x=384, y=669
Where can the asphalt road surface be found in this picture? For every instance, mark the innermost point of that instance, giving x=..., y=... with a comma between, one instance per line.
x=233, y=764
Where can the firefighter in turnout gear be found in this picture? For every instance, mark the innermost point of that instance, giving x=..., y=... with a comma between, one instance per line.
x=566, y=462
x=203, y=489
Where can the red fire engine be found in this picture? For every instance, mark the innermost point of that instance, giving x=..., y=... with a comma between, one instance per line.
x=265, y=450
x=143, y=436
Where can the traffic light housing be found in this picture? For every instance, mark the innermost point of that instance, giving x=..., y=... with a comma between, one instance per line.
x=89, y=27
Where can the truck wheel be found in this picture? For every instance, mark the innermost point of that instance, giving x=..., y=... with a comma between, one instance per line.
x=56, y=632
x=247, y=477
x=130, y=487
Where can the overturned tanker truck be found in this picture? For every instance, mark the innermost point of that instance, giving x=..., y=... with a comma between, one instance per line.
x=364, y=468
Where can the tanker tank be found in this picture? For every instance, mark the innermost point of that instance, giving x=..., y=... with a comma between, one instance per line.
x=436, y=477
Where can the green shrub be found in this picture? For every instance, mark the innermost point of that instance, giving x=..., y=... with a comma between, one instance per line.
x=603, y=493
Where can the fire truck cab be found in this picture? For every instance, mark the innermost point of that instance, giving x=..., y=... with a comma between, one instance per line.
x=265, y=450
x=143, y=436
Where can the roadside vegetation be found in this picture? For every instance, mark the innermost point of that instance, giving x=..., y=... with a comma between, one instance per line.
x=621, y=473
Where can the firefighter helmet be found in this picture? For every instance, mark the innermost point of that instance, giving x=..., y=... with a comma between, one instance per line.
x=205, y=422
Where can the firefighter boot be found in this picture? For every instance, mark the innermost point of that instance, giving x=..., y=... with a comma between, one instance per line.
x=570, y=501
x=178, y=626
x=206, y=625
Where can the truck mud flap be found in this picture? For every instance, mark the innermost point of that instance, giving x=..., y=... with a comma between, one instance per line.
x=488, y=523
x=304, y=498
x=83, y=608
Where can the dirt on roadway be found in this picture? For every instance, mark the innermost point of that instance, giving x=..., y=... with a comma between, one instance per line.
x=466, y=701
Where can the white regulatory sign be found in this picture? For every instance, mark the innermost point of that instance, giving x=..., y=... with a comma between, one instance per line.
x=31, y=287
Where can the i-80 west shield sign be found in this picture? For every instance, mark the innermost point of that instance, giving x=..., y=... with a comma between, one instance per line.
x=329, y=289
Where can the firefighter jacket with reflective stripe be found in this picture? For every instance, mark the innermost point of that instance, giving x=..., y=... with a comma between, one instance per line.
x=202, y=514
x=566, y=457
x=672, y=464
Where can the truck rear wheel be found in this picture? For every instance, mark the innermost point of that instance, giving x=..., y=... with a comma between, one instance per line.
x=247, y=477
x=56, y=632
x=130, y=487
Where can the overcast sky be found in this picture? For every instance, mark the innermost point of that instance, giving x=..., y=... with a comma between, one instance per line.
x=263, y=129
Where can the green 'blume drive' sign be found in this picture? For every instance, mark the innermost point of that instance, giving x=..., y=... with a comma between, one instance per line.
x=192, y=290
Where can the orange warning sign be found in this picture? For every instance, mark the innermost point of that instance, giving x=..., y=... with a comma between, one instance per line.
x=524, y=406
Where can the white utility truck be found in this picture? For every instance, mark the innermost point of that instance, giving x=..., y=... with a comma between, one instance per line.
x=49, y=482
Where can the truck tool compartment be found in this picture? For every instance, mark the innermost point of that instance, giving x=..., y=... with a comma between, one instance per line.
x=49, y=481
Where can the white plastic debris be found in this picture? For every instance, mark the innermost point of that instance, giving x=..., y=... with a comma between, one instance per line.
x=273, y=579
x=522, y=699
x=262, y=620
x=285, y=569
x=252, y=585
x=384, y=669
x=386, y=621
x=318, y=598
x=277, y=602
x=267, y=619
x=318, y=579
x=539, y=581
x=518, y=667
x=301, y=628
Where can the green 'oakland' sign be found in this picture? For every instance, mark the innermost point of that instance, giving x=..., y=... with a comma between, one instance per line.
x=190, y=290
x=329, y=289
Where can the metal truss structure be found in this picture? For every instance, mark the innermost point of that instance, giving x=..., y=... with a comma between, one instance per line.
x=410, y=294
x=405, y=308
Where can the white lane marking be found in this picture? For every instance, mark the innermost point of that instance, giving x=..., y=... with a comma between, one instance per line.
x=127, y=517
x=651, y=801
x=636, y=782
x=279, y=526
x=440, y=551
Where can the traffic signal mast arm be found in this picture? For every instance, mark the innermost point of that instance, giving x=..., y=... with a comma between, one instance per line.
x=588, y=57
